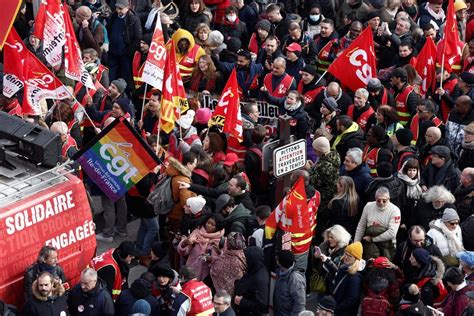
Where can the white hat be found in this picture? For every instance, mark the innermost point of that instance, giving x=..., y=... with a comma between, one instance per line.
x=186, y=120
x=196, y=204
x=322, y=144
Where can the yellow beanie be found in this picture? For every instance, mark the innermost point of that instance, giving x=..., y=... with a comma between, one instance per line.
x=459, y=5
x=355, y=250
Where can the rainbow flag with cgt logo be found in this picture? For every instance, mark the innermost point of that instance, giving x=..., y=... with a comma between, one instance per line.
x=116, y=159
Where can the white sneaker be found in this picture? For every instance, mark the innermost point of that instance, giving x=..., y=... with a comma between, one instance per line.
x=104, y=238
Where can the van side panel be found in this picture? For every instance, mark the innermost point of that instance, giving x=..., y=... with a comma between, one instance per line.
x=59, y=216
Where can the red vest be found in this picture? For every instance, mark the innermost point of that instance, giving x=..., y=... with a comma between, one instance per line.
x=281, y=90
x=137, y=69
x=200, y=296
x=104, y=260
x=100, y=72
x=187, y=63
x=448, y=87
x=253, y=44
x=438, y=301
x=456, y=65
x=415, y=126
x=370, y=158
x=401, y=105
x=70, y=142
x=323, y=62
x=91, y=92
x=384, y=97
x=363, y=118
x=310, y=95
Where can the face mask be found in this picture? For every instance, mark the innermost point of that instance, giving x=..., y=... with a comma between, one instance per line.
x=231, y=18
x=315, y=17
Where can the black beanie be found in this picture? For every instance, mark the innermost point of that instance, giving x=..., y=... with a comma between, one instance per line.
x=147, y=38
x=140, y=288
x=384, y=169
x=124, y=104
x=310, y=69
x=160, y=249
x=234, y=44
x=404, y=136
x=286, y=259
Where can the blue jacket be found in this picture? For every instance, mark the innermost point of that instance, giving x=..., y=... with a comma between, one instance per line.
x=347, y=290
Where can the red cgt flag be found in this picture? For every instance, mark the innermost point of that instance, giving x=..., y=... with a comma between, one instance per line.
x=173, y=98
x=448, y=48
x=153, y=71
x=15, y=52
x=227, y=112
x=357, y=64
x=425, y=65
x=9, y=11
x=295, y=216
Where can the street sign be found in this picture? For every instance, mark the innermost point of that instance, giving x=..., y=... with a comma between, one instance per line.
x=289, y=158
x=267, y=151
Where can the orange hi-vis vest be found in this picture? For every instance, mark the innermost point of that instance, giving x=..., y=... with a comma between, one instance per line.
x=283, y=87
x=322, y=62
x=415, y=126
x=107, y=259
x=309, y=95
x=187, y=63
x=401, y=101
x=370, y=157
x=200, y=296
x=363, y=118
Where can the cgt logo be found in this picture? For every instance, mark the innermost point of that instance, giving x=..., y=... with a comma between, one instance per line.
x=359, y=59
x=118, y=165
x=158, y=51
x=42, y=79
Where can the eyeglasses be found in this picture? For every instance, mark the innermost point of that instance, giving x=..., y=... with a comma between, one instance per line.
x=453, y=223
x=382, y=200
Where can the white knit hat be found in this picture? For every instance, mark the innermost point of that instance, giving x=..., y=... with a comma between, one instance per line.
x=196, y=204
x=322, y=144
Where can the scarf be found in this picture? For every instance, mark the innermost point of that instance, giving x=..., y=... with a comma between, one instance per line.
x=291, y=108
x=232, y=25
x=353, y=128
x=454, y=244
x=437, y=16
x=43, y=267
x=201, y=236
x=151, y=17
x=413, y=185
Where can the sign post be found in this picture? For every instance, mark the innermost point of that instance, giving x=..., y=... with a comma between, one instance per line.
x=283, y=183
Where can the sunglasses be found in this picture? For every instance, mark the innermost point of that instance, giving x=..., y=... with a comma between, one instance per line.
x=453, y=223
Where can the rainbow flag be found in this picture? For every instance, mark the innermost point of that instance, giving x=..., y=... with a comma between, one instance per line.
x=117, y=159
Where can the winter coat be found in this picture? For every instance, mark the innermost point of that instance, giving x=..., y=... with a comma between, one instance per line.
x=426, y=18
x=34, y=271
x=192, y=19
x=466, y=157
x=289, y=294
x=96, y=302
x=349, y=140
x=324, y=268
x=54, y=305
x=360, y=175
x=237, y=30
x=254, y=285
x=223, y=277
x=425, y=213
x=338, y=213
x=280, y=29
x=393, y=184
x=456, y=302
x=178, y=172
x=324, y=176
x=358, y=12
x=435, y=271
x=464, y=201
x=246, y=200
x=403, y=253
x=448, y=175
x=132, y=33
x=347, y=291
x=410, y=308
x=455, y=129
x=299, y=122
x=440, y=239
x=237, y=220
x=128, y=297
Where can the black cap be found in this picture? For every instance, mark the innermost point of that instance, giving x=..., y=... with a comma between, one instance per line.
x=374, y=85
x=127, y=248
x=442, y=151
x=310, y=69
x=372, y=14
x=244, y=53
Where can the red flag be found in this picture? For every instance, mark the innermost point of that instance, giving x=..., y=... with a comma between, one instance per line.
x=227, y=112
x=153, y=71
x=9, y=11
x=40, y=83
x=49, y=26
x=293, y=215
x=425, y=65
x=14, y=52
x=357, y=64
x=73, y=64
x=448, y=48
x=173, y=98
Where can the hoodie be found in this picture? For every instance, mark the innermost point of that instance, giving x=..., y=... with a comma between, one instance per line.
x=186, y=58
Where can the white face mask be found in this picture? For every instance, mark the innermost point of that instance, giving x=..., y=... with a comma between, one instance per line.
x=231, y=18
x=314, y=17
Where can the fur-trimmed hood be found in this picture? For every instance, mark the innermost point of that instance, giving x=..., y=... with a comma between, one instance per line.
x=58, y=290
x=176, y=168
x=434, y=270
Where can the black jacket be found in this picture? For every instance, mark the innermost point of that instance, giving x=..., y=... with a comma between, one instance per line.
x=425, y=213
x=254, y=285
x=54, y=305
x=34, y=271
x=132, y=33
x=348, y=141
x=448, y=175
x=238, y=220
x=97, y=302
x=128, y=297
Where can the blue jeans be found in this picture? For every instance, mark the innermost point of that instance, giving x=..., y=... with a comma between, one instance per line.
x=147, y=233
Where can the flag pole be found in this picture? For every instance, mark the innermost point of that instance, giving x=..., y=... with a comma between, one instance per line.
x=85, y=112
x=321, y=77
x=143, y=104
x=442, y=66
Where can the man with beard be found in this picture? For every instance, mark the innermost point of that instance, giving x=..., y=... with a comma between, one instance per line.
x=48, y=297
x=269, y=53
x=459, y=117
x=423, y=119
x=247, y=72
x=405, y=97
x=188, y=53
x=138, y=63
x=379, y=95
x=326, y=45
x=148, y=124
x=354, y=32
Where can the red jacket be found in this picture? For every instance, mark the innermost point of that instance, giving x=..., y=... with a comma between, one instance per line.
x=456, y=302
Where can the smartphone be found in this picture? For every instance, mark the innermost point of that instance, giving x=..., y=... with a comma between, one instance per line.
x=317, y=251
x=435, y=311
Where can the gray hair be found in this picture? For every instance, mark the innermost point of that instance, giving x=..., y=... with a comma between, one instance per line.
x=89, y=273
x=226, y=296
x=364, y=92
x=280, y=60
x=356, y=155
x=439, y=192
x=340, y=234
x=45, y=252
x=382, y=191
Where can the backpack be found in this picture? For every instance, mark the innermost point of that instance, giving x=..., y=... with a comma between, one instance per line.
x=375, y=305
x=161, y=198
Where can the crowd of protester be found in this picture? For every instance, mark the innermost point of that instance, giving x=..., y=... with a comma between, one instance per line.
x=394, y=167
